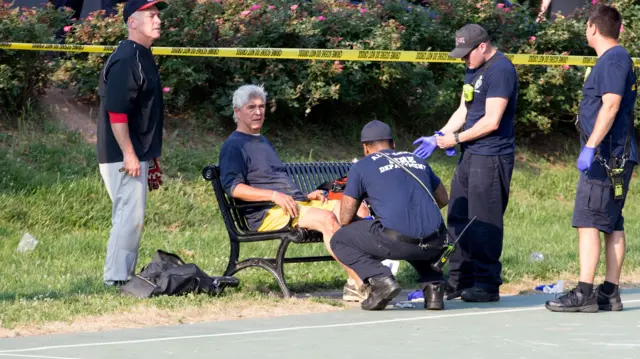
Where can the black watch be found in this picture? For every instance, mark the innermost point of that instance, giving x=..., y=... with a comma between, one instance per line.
x=456, y=137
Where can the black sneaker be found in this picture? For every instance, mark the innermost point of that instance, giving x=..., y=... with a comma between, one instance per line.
x=381, y=291
x=609, y=302
x=452, y=292
x=479, y=294
x=574, y=301
x=434, y=296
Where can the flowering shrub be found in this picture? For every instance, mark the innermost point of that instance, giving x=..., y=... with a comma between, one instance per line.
x=25, y=74
x=417, y=96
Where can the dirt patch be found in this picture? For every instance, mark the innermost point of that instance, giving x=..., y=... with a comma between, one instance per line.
x=145, y=316
x=76, y=116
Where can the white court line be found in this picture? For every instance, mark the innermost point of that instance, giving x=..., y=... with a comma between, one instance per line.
x=32, y=356
x=263, y=331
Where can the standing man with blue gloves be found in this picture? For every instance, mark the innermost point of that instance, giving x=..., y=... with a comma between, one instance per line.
x=606, y=163
x=483, y=125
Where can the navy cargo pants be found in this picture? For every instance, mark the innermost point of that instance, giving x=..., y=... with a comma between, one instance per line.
x=362, y=245
x=479, y=188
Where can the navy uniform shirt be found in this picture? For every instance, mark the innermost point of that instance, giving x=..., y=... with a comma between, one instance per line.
x=130, y=84
x=253, y=161
x=499, y=79
x=396, y=198
x=612, y=73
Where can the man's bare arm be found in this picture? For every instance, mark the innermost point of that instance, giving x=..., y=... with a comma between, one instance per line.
x=251, y=194
x=441, y=196
x=604, y=121
x=131, y=162
x=456, y=121
x=348, y=209
x=494, y=109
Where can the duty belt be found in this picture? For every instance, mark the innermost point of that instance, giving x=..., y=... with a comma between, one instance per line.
x=422, y=242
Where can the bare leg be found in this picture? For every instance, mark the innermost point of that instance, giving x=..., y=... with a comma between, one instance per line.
x=589, y=243
x=614, y=254
x=326, y=222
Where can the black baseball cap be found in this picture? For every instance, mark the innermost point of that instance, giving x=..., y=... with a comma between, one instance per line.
x=467, y=38
x=135, y=5
x=375, y=131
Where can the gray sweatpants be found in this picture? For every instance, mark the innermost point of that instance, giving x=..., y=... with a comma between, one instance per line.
x=129, y=197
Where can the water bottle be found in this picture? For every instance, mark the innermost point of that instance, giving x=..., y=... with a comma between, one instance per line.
x=536, y=257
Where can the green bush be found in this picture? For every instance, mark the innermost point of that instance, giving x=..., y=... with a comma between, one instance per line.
x=416, y=96
x=25, y=74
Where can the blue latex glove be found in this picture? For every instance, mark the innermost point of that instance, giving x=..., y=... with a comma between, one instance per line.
x=586, y=158
x=450, y=151
x=427, y=145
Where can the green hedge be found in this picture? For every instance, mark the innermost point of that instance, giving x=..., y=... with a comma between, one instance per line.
x=416, y=96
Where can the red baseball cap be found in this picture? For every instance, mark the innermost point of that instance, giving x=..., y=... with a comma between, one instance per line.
x=135, y=5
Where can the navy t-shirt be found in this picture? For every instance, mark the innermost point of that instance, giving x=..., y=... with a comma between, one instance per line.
x=396, y=198
x=498, y=80
x=253, y=161
x=612, y=73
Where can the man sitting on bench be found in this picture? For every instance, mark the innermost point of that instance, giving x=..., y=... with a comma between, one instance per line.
x=251, y=171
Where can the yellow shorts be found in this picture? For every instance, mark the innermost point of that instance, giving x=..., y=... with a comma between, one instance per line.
x=276, y=218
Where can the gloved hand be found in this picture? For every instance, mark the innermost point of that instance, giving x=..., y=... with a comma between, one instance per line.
x=449, y=151
x=154, y=177
x=427, y=145
x=586, y=158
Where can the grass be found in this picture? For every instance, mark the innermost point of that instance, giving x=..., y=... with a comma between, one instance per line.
x=50, y=187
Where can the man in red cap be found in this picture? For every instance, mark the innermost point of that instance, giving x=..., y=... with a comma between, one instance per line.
x=130, y=135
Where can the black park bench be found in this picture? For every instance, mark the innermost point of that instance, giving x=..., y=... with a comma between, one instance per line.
x=308, y=176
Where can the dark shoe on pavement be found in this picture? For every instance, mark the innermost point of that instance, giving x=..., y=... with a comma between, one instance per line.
x=434, y=296
x=574, y=301
x=452, y=292
x=480, y=295
x=608, y=302
x=381, y=291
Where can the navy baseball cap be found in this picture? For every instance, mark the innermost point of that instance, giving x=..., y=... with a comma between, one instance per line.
x=375, y=131
x=467, y=38
x=132, y=6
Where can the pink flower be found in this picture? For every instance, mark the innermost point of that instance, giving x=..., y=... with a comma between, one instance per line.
x=216, y=0
x=245, y=13
x=293, y=7
x=271, y=7
x=22, y=18
x=89, y=17
x=500, y=6
x=166, y=89
x=566, y=67
x=321, y=18
x=255, y=7
x=363, y=10
x=66, y=28
x=172, y=29
x=532, y=39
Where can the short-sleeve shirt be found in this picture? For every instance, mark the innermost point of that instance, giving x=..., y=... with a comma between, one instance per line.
x=612, y=73
x=496, y=78
x=252, y=160
x=130, y=84
x=397, y=199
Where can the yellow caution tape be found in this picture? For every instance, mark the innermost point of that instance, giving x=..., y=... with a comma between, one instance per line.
x=313, y=54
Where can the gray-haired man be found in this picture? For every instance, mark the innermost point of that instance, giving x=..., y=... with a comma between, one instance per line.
x=250, y=170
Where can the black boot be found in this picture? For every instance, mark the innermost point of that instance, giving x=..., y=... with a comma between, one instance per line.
x=453, y=292
x=608, y=302
x=574, y=301
x=382, y=290
x=434, y=296
x=481, y=295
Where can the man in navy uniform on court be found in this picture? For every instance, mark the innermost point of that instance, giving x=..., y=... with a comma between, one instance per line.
x=408, y=224
x=609, y=154
x=483, y=125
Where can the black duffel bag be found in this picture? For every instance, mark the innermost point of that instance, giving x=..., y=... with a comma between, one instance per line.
x=167, y=274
